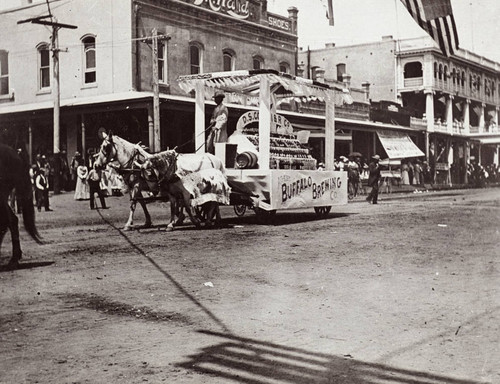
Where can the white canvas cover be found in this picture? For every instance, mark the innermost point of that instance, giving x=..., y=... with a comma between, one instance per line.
x=399, y=145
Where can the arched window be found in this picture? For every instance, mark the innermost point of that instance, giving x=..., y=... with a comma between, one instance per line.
x=440, y=72
x=445, y=75
x=89, y=60
x=284, y=67
x=454, y=75
x=196, y=58
x=4, y=72
x=162, y=62
x=463, y=78
x=43, y=66
x=435, y=70
x=413, y=69
x=228, y=57
x=258, y=62
x=341, y=71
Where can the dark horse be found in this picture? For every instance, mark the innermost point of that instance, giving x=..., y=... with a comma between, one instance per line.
x=14, y=173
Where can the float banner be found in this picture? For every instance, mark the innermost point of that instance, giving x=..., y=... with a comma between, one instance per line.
x=298, y=189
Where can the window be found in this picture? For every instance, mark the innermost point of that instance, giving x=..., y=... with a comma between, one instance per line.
x=44, y=66
x=228, y=58
x=89, y=57
x=440, y=72
x=463, y=78
x=4, y=73
x=162, y=62
x=412, y=70
x=195, y=58
x=435, y=70
x=284, y=67
x=445, y=75
x=341, y=71
x=258, y=62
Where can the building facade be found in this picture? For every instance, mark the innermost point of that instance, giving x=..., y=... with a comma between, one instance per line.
x=452, y=101
x=106, y=73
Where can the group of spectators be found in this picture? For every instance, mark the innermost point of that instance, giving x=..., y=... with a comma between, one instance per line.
x=479, y=175
x=79, y=176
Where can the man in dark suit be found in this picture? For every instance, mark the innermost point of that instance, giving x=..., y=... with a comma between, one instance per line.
x=373, y=179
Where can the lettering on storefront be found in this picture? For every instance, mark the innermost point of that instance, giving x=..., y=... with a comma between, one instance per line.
x=304, y=185
x=279, y=23
x=239, y=9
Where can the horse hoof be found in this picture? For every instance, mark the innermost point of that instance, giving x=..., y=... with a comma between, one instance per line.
x=169, y=229
x=148, y=225
x=128, y=228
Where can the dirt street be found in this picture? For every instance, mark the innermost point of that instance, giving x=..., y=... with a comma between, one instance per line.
x=403, y=292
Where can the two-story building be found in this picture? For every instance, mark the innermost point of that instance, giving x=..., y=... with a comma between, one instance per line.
x=453, y=101
x=106, y=74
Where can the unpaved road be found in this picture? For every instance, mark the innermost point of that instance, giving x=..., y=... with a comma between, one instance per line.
x=403, y=292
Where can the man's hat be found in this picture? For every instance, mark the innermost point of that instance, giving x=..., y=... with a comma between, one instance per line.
x=219, y=93
x=376, y=157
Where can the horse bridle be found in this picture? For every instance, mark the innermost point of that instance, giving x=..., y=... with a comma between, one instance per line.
x=109, y=158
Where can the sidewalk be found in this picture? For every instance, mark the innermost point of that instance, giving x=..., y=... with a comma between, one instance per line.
x=403, y=190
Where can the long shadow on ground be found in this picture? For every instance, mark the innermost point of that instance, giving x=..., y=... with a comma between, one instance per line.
x=253, y=361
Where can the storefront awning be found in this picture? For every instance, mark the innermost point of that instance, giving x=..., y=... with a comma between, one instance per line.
x=490, y=140
x=398, y=145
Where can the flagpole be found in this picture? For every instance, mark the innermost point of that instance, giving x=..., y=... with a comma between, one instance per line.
x=398, y=46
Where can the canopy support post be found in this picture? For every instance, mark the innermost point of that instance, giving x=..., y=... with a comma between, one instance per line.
x=264, y=123
x=330, y=132
x=199, y=118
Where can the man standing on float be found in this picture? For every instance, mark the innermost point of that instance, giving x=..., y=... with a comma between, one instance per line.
x=218, y=123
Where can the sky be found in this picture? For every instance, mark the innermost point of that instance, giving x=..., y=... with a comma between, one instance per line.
x=358, y=21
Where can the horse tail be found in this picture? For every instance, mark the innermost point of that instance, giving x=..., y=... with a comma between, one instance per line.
x=24, y=195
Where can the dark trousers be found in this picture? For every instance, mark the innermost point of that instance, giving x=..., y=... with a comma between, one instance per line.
x=95, y=188
x=42, y=198
x=373, y=196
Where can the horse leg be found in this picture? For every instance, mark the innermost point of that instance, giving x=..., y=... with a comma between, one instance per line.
x=173, y=211
x=148, y=222
x=218, y=219
x=129, y=225
x=13, y=225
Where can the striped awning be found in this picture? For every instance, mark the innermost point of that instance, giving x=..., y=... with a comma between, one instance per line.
x=282, y=85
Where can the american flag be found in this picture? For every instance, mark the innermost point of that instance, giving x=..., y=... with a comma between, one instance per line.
x=436, y=18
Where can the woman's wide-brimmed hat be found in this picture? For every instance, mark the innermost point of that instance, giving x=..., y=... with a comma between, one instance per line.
x=376, y=157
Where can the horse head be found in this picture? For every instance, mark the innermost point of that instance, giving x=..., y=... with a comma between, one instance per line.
x=107, y=151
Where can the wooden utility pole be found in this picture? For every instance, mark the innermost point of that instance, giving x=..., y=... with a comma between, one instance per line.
x=155, y=145
x=54, y=46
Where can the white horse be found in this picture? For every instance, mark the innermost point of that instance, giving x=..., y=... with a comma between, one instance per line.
x=136, y=165
x=124, y=157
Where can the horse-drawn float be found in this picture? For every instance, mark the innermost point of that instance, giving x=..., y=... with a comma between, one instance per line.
x=274, y=169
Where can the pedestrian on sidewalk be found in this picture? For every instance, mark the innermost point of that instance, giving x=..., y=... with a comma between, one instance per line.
x=374, y=179
x=94, y=180
x=82, y=190
x=42, y=190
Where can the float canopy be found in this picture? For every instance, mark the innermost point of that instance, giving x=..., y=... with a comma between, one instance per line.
x=282, y=84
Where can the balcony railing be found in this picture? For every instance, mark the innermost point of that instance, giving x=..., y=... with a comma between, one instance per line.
x=414, y=82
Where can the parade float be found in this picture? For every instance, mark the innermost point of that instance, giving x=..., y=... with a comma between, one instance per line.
x=269, y=165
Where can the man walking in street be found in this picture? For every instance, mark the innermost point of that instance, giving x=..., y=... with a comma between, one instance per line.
x=94, y=180
x=374, y=179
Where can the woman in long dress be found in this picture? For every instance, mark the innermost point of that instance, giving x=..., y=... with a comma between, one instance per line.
x=82, y=190
x=405, y=178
